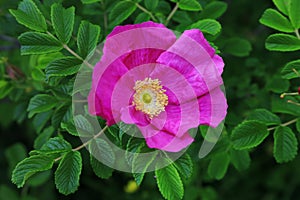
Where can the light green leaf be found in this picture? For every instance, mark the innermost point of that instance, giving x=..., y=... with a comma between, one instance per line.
x=29, y=166
x=62, y=21
x=56, y=144
x=213, y=10
x=294, y=10
x=87, y=38
x=89, y=1
x=291, y=69
x=285, y=144
x=265, y=116
x=151, y=4
x=68, y=173
x=121, y=11
x=70, y=128
x=38, y=43
x=83, y=126
x=282, y=5
x=274, y=19
x=237, y=47
x=41, y=103
x=190, y=5
x=169, y=183
x=218, y=165
x=30, y=16
x=282, y=42
x=209, y=26
x=249, y=134
x=184, y=165
x=240, y=159
x=101, y=152
x=63, y=67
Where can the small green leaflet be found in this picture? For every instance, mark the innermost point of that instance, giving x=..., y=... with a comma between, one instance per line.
x=237, y=46
x=265, y=116
x=213, y=10
x=30, y=16
x=63, y=22
x=121, y=11
x=89, y=1
x=41, y=103
x=294, y=10
x=63, y=67
x=291, y=69
x=190, y=5
x=282, y=42
x=218, y=165
x=249, y=134
x=43, y=137
x=209, y=26
x=29, y=166
x=282, y=5
x=38, y=43
x=285, y=144
x=68, y=173
x=184, y=165
x=151, y=4
x=240, y=159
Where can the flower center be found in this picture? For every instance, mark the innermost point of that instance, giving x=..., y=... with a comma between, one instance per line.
x=149, y=97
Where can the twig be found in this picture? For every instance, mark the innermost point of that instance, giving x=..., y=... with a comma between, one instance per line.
x=171, y=14
x=146, y=11
x=284, y=124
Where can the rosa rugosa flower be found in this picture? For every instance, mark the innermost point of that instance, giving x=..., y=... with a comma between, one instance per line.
x=164, y=85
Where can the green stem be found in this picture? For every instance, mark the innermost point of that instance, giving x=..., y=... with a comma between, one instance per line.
x=171, y=14
x=284, y=124
x=297, y=33
x=86, y=143
x=146, y=11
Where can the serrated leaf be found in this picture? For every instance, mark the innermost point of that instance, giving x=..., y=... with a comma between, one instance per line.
x=70, y=128
x=249, y=134
x=43, y=137
x=62, y=21
x=169, y=183
x=189, y=5
x=87, y=38
x=237, y=47
x=30, y=16
x=277, y=84
x=63, y=67
x=280, y=105
x=274, y=19
x=282, y=42
x=56, y=145
x=285, y=144
x=41, y=119
x=184, y=165
x=15, y=154
x=121, y=11
x=264, y=116
x=218, y=165
x=38, y=43
x=101, y=152
x=60, y=114
x=83, y=126
x=151, y=4
x=282, y=5
x=29, y=166
x=240, y=159
x=294, y=10
x=41, y=103
x=213, y=10
x=142, y=17
x=288, y=72
x=209, y=26
x=68, y=173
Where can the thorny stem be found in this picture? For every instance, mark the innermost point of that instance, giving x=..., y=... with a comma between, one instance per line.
x=284, y=124
x=86, y=143
x=146, y=11
x=171, y=14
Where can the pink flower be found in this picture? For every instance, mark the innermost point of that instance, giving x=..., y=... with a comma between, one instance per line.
x=164, y=85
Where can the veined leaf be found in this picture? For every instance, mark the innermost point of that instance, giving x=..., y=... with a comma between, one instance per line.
x=209, y=26
x=294, y=10
x=63, y=67
x=43, y=137
x=240, y=159
x=280, y=105
x=190, y=5
x=184, y=165
x=68, y=173
x=63, y=21
x=38, y=43
x=151, y=4
x=282, y=42
x=290, y=70
x=237, y=47
x=41, y=103
x=89, y=1
x=282, y=5
x=213, y=10
x=265, y=116
x=218, y=165
x=121, y=11
x=30, y=16
x=285, y=144
x=249, y=134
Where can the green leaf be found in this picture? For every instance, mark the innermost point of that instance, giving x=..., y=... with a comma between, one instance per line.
x=249, y=134
x=29, y=167
x=61, y=114
x=209, y=26
x=70, y=128
x=280, y=105
x=218, y=165
x=15, y=154
x=87, y=38
x=169, y=183
x=285, y=144
x=39, y=178
x=294, y=10
x=214, y=10
x=282, y=5
x=38, y=43
x=41, y=103
x=56, y=145
x=68, y=173
x=5, y=89
x=151, y=4
x=101, y=151
x=142, y=17
x=62, y=21
x=43, y=137
x=237, y=47
x=63, y=67
x=298, y=125
x=274, y=19
x=291, y=69
x=83, y=126
x=282, y=42
x=184, y=165
x=89, y=1
x=277, y=84
x=265, y=116
x=30, y=16
x=240, y=159
x=121, y=11
x=190, y=5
